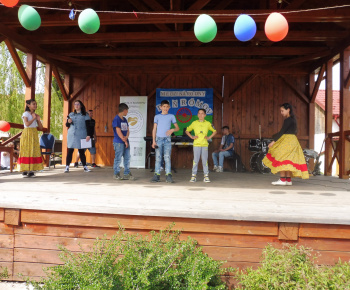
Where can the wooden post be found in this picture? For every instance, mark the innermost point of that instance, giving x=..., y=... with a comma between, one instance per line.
x=31, y=73
x=47, y=97
x=329, y=118
x=66, y=110
x=227, y=108
x=344, y=153
x=311, y=118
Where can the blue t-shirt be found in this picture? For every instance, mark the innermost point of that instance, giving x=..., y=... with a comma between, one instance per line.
x=164, y=123
x=123, y=125
x=226, y=141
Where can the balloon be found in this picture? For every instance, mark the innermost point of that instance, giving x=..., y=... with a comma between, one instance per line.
x=205, y=28
x=9, y=3
x=276, y=27
x=29, y=17
x=245, y=28
x=88, y=21
x=4, y=126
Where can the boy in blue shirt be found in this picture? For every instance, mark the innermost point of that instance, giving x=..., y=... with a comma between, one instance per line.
x=121, y=143
x=162, y=140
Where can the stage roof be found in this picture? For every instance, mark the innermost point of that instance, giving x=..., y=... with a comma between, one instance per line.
x=135, y=34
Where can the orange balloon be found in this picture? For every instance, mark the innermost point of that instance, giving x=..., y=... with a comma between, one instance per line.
x=276, y=27
x=4, y=126
x=9, y=3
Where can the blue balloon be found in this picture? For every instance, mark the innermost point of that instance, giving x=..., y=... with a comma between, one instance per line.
x=245, y=28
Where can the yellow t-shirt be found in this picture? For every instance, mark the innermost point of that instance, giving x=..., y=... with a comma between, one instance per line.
x=201, y=130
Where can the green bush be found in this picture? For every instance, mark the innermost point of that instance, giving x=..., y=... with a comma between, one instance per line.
x=4, y=273
x=158, y=261
x=293, y=267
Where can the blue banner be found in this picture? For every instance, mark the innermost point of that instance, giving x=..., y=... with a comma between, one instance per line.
x=184, y=104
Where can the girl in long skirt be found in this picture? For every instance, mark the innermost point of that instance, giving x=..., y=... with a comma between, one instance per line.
x=285, y=154
x=30, y=159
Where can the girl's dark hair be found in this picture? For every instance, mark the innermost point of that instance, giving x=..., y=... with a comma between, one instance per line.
x=287, y=106
x=28, y=102
x=82, y=107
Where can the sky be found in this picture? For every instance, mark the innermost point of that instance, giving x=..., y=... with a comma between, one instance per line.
x=336, y=78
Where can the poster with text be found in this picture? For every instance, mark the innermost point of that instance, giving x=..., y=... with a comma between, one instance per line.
x=137, y=119
x=184, y=104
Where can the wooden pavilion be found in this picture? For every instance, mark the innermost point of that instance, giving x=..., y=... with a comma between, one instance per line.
x=153, y=46
x=150, y=46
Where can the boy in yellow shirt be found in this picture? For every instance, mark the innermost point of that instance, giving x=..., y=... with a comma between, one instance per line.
x=201, y=128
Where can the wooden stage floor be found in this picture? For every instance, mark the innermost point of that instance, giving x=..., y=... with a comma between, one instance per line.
x=233, y=218
x=230, y=196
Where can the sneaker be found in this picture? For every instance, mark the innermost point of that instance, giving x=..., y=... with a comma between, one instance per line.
x=289, y=183
x=76, y=165
x=95, y=165
x=219, y=169
x=25, y=174
x=128, y=177
x=86, y=169
x=66, y=170
x=193, y=178
x=117, y=176
x=169, y=178
x=31, y=174
x=279, y=182
x=215, y=168
x=206, y=179
x=155, y=178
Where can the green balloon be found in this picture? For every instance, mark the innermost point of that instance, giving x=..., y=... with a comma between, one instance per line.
x=88, y=21
x=29, y=17
x=205, y=28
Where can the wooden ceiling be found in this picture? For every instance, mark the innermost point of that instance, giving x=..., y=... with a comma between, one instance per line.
x=166, y=42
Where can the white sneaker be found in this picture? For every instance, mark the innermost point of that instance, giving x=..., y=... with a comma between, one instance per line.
x=219, y=169
x=66, y=170
x=193, y=178
x=86, y=169
x=206, y=179
x=279, y=182
x=289, y=183
x=215, y=168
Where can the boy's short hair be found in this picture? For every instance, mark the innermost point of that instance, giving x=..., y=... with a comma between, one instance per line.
x=205, y=112
x=164, y=102
x=225, y=127
x=122, y=107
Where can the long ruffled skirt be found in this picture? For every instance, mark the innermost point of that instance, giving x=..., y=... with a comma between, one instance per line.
x=30, y=158
x=287, y=155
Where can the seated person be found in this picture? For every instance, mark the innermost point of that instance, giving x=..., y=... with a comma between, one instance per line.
x=5, y=158
x=225, y=150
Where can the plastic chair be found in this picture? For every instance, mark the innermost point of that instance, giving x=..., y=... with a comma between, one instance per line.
x=47, y=141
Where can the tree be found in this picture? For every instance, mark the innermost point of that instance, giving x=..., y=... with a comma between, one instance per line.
x=12, y=92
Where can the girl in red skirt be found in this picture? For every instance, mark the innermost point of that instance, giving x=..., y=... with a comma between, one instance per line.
x=285, y=154
x=30, y=159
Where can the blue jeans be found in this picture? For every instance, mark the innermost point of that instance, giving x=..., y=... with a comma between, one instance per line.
x=121, y=151
x=221, y=155
x=164, y=149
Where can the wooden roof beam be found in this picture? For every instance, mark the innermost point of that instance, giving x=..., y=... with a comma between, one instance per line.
x=174, y=36
x=198, y=51
x=89, y=80
x=57, y=76
x=220, y=16
x=300, y=94
x=18, y=62
x=317, y=84
x=28, y=45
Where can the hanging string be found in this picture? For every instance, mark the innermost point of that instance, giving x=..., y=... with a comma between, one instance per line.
x=197, y=14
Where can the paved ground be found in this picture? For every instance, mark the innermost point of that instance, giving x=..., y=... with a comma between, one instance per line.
x=231, y=196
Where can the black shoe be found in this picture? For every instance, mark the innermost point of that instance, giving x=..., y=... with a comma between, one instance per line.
x=31, y=174
x=25, y=174
x=76, y=164
x=169, y=178
x=155, y=178
x=95, y=165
